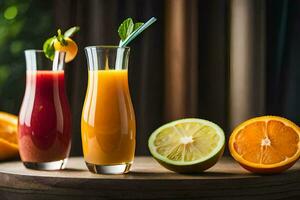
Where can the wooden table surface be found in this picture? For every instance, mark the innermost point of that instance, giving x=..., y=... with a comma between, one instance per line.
x=147, y=180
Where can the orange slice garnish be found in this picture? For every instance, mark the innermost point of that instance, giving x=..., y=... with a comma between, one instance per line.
x=70, y=48
x=8, y=136
x=267, y=144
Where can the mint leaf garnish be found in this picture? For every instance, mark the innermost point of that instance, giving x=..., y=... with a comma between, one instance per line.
x=61, y=38
x=129, y=30
x=70, y=32
x=126, y=28
x=137, y=25
x=48, y=48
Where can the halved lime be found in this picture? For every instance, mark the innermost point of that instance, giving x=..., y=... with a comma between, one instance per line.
x=187, y=145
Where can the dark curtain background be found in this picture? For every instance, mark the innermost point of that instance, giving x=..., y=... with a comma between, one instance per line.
x=220, y=60
x=283, y=59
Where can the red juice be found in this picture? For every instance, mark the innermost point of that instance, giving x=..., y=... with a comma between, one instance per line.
x=44, y=129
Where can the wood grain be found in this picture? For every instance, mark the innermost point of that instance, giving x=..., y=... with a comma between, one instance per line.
x=147, y=180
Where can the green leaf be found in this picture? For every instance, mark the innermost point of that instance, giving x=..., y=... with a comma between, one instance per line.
x=126, y=28
x=137, y=25
x=70, y=32
x=61, y=38
x=48, y=48
x=139, y=28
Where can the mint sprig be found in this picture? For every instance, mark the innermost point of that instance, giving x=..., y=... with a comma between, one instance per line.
x=128, y=30
x=61, y=38
x=71, y=31
x=137, y=25
x=127, y=27
x=48, y=46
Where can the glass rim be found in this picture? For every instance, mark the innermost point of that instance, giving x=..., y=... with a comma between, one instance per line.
x=106, y=47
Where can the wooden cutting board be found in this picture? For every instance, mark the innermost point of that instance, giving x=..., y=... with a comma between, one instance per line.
x=147, y=180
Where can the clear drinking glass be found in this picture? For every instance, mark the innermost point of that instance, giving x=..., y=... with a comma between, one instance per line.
x=44, y=127
x=108, y=121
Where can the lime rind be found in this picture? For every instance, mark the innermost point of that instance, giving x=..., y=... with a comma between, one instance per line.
x=216, y=150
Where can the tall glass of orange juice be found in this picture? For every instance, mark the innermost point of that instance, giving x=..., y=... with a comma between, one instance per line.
x=108, y=121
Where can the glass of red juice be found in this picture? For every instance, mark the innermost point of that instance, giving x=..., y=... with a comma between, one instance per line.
x=44, y=127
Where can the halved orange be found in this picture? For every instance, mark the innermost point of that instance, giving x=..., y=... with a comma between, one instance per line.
x=71, y=48
x=8, y=136
x=267, y=144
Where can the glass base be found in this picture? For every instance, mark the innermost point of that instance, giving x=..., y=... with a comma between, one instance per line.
x=109, y=169
x=55, y=165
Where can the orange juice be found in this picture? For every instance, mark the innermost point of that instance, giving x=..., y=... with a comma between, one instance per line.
x=108, y=121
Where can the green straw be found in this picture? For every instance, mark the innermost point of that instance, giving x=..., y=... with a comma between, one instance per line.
x=137, y=32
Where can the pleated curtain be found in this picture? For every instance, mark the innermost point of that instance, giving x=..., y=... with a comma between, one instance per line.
x=224, y=61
